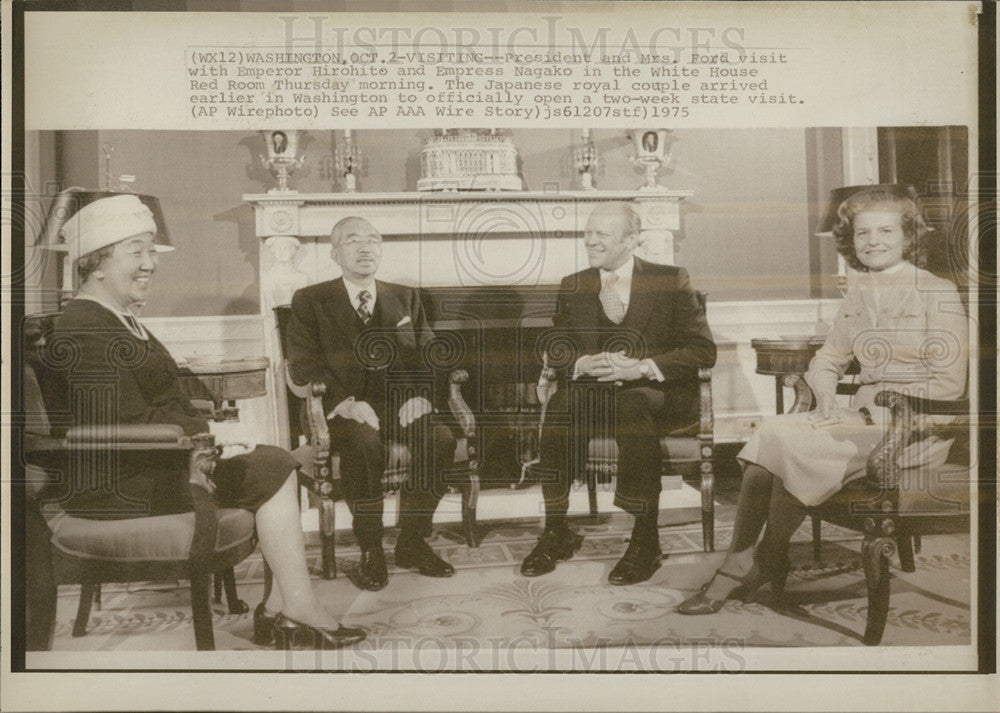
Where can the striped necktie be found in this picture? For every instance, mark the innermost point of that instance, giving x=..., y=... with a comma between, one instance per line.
x=363, y=310
x=611, y=301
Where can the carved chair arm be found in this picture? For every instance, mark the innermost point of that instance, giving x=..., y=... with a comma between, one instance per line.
x=201, y=461
x=319, y=431
x=301, y=391
x=706, y=422
x=456, y=403
x=805, y=400
x=883, y=462
x=132, y=436
x=904, y=426
x=201, y=464
x=937, y=407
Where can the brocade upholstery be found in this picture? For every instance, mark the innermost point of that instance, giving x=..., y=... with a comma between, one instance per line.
x=947, y=492
x=602, y=454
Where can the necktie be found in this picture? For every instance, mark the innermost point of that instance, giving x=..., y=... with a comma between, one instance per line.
x=611, y=301
x=363, y=310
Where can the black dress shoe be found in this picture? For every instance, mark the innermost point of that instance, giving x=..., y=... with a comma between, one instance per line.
x=415, y=553
x=263, y=626
x=288, y=632
x=552, y=546
x=641, y=560
x=372, y=574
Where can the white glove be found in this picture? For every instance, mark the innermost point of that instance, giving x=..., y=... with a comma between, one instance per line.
x=233, y=438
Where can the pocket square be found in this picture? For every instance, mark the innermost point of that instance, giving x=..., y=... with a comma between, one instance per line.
x=404, y=320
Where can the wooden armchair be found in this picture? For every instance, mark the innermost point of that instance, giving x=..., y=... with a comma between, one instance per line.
x=685, y=449
x=893, y=504
x=320, y=472
x=69, y=549
x=690, y=448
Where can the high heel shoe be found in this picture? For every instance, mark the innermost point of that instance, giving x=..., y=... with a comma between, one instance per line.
x=760, y=574
x=288, y=632
x=773, y=573
x=701, y=604
x=263, y=626
x=777, y=575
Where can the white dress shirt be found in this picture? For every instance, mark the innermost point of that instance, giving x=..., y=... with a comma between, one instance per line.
x=623, y=288
x=354, y=290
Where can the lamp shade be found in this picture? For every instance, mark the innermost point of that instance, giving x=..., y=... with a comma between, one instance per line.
x=70, y=201
x=838, y=195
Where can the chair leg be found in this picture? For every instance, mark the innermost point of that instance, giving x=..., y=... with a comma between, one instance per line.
x=40, y=589
x=470, y=499
x=708, y=530
x=592, y=492
x=817, y=524
x=904, y=544
x=707, y=500
x=217, y=589
x=88, y=590
x=228, y=578
x=916, y=544
x=876, y=549
x=201, y=611
x=268, y=582
x=327, y=537
x=97, y=596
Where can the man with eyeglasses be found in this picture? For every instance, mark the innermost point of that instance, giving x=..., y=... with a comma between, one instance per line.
x=358, y=336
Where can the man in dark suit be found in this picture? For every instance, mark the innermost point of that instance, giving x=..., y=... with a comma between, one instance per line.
x=640, y=327
x=362, y=338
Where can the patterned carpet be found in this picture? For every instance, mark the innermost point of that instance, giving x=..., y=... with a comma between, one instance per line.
x=573, y=612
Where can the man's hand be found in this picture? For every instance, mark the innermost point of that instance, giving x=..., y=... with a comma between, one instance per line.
x=604, y=364
x=611, y=366
x=413, y=409
x=360, y=411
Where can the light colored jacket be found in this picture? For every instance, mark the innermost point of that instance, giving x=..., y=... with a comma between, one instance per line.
x=909, y=332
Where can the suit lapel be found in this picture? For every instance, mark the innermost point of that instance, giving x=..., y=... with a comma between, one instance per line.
x=590, y=290
x=388, y=307
x=344, y=316
x=642, y=296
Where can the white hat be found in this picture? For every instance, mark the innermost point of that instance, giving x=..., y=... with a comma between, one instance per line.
x=107, y=221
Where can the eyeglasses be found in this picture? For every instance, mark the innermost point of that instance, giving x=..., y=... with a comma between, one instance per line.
x=357, y=243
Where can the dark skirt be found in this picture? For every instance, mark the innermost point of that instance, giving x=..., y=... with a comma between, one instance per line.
x=157, y=484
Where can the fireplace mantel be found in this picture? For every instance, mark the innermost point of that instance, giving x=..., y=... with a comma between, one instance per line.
x=439, y=239
x=451, y=212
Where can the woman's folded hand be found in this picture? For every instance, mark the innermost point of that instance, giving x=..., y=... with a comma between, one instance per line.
x=233, y=438
x=836, y=417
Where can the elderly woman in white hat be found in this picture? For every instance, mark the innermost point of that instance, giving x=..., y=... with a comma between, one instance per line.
x=112, y=244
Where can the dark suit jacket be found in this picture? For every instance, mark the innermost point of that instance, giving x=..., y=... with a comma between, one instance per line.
x=664, y=322
x=124, y=380
x=107, y=376
x=143, y=373
x=328, y=343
